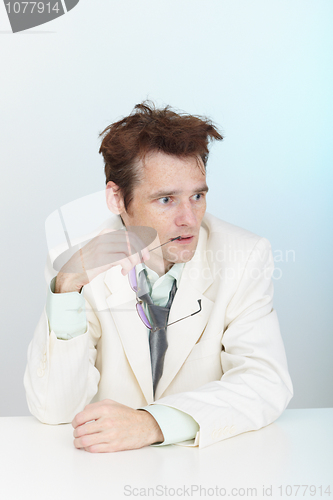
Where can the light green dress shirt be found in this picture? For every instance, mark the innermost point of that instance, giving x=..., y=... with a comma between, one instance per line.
x=160, y=285
x=67, y=318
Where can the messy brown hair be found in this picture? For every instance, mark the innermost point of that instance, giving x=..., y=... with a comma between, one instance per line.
x=148, y=129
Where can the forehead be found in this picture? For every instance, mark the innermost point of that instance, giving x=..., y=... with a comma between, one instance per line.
x=160, y=169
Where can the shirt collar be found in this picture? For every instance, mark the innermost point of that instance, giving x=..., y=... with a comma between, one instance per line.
x=175, y=272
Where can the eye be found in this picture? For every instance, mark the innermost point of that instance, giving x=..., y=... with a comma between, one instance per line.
x=164, y=200
x=198, y=196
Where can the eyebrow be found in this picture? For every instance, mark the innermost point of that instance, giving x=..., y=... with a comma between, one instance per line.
x=165, y=192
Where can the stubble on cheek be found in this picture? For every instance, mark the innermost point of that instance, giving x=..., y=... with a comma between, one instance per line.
x=175, y=254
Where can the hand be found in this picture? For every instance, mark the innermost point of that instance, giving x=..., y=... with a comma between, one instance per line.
x=109, y=426
x=109, y=248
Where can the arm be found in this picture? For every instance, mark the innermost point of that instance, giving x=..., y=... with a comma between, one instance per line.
x=61, y=377
x=66, y=313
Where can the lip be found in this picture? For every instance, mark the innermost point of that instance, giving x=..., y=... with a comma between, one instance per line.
x=187, y=239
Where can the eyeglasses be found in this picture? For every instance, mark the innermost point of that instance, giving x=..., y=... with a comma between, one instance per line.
x=134, y=285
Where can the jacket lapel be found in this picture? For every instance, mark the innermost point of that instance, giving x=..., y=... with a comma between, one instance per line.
x=132, y=331
x=183, y=335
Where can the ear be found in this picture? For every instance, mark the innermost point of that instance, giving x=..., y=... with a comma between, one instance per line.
x=114, y=199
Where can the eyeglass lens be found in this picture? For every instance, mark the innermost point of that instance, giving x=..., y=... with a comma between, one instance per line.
x=132, y=280
x=142, y=315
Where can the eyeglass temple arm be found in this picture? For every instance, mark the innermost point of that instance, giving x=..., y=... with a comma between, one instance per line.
x=173, y=239
x=196, y=312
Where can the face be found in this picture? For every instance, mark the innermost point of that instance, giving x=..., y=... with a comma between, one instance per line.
x=171, y=198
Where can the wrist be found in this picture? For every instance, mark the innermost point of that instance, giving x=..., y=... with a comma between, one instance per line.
x=155, y=433
x=66, y=283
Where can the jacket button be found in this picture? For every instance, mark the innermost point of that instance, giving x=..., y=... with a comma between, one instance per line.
x=40, y=372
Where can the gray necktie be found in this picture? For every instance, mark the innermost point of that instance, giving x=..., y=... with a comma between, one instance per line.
x=159, y=318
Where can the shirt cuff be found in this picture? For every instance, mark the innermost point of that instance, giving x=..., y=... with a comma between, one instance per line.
x=66, y=313
x=175, y=425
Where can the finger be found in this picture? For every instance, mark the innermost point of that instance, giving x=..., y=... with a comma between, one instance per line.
x=100, y=448
x=136, y=245
x=93, y=411
x=90, y=440
x=145, y=254
x=99, y=265
x=135, y=258
x=85, y=416
x=112, y=242
x=128, y=263
x=88, y=428
x=104, y=255
x=109, y=255
x=106, y=251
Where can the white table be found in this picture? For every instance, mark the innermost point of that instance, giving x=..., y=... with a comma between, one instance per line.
x=40, y=462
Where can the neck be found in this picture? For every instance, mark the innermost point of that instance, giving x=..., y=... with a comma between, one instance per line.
x=160, y=266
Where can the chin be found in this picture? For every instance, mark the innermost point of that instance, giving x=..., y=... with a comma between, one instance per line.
x=177, y=255
x=185, y=256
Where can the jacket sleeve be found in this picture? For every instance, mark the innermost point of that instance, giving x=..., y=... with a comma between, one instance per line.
x=255, y=386
x=60, y=377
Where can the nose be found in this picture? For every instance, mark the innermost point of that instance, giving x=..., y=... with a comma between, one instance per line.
x=186, y=215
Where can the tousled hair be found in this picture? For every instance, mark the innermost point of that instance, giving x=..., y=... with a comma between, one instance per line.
x=147, y=130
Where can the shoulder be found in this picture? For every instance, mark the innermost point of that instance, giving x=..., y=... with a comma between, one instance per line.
x=218, y=228
x=229, y=240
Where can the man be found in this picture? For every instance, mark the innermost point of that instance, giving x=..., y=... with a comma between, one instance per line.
x=215, y=365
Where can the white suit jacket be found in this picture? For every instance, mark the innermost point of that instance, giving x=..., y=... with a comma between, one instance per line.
x=226, y=366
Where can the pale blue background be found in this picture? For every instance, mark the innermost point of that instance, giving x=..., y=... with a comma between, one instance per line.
x=261, y=69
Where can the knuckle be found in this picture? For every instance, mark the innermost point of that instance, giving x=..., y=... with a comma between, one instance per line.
x=79, y=419
x=78, y=432
x=85, y=441
x=105, y=411
x=76, y=443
